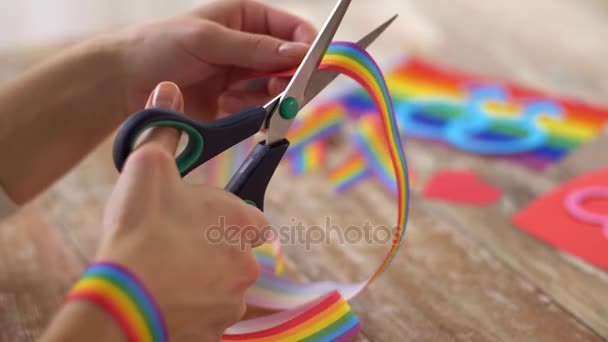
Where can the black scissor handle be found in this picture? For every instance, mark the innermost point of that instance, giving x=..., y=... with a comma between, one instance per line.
x=251, y=180
x=205, y=139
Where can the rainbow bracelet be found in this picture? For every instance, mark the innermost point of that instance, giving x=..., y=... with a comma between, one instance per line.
x=122, y=295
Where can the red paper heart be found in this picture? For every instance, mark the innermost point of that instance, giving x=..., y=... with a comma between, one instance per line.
x=463, y=187
x=547, y=219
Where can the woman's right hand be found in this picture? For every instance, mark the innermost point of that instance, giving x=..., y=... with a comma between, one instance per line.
x=167, y=232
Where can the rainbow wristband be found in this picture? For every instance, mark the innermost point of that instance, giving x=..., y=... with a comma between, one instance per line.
x=123, y=296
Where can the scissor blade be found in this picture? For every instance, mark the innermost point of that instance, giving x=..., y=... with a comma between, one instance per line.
x=301, y=79
x=319, y=81
x=322, y=78
x=296, y=90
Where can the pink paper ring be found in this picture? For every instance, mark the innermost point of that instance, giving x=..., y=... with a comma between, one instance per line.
x=574, y=205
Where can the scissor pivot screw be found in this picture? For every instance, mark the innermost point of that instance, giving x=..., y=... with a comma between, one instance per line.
x=289, y=108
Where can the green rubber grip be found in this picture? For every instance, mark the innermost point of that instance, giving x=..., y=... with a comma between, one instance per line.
x=193, y=150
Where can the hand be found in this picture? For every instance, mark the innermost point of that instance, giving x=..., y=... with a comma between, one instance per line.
x=157, y=226
x=207, y=51
x=85, y=92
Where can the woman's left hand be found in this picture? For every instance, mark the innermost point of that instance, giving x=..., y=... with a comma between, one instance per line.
x=207, y=51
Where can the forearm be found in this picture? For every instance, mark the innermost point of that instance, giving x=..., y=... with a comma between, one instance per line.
x=56, y=113
x=82, y=321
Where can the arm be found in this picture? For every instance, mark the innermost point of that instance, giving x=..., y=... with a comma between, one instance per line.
x=77, y=321
x=55, y=114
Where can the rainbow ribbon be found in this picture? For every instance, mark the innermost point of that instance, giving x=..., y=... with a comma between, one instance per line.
x=320, y=311
x=118, y=291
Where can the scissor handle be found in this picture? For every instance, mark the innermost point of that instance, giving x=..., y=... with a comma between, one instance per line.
x=205, y=139
x=251, y=180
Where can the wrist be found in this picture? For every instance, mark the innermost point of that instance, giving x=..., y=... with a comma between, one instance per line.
x=118, y=292
x=185, y=319
x=82, y=321
x=105, y=53
x=67, y=105
x=128, y=51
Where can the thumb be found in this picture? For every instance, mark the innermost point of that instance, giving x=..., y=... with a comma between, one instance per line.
x=166, y=95
x=150, y=168
x=252, y=51
x=159, y=144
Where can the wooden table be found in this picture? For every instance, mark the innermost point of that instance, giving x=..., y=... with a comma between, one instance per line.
x=463, y=273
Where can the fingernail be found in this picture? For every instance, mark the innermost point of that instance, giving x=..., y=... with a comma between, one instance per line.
x=165, y=95
x=293, y=49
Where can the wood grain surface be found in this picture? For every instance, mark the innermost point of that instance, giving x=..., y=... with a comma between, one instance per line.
x=463, y=273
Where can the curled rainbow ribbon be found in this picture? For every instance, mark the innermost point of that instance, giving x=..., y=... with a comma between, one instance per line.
x=320, y=311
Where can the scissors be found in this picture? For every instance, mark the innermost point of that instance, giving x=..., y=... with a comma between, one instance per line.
x=208, y=139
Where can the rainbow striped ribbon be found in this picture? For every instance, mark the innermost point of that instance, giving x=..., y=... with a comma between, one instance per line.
x=320, y=311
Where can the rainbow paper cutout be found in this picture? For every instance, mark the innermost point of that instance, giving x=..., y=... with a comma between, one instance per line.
x=309, y=158
x=219, y=170
x=369, y=160
x=467, y=132
x=348, y=174
x=370, y=145
x=323, y=123
x=428, y=98
x=309, y=137
x=319, y=311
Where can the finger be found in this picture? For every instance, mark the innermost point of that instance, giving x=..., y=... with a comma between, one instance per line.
x=256, y=52
x=149, y=169
x=258, y=231
x=277, y=85
x=264, y=19
x=148, y=178
x=201, y=98
x=167, y=96
x=154, y=158
x=252, y=93
x=262, y=235
x=236, y=101
x=251, y=223
x=256, y=17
